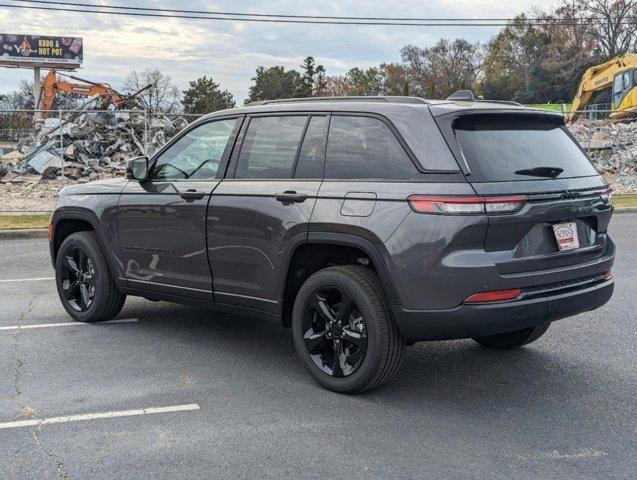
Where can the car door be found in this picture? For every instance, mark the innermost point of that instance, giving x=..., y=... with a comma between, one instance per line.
x=260, y=212
x=162, y=221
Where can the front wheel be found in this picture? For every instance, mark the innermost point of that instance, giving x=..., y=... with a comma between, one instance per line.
x=518, y=338
x=343, y=330
x=84, y=283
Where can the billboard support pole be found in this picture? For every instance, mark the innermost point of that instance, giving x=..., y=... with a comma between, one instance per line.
x=37, y=87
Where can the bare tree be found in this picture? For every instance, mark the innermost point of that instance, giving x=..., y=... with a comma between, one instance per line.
x=163, y=96
x=615, y=25
x=438, y=71
x=20, y=98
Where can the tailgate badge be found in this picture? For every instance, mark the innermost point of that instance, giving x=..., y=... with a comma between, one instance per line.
x=568, y=195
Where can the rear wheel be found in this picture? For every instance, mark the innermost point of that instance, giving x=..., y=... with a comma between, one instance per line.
x=84, y=283
x=343, y=331
x=518, y=338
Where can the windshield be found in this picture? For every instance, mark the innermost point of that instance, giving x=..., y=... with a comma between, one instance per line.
x=502, y=148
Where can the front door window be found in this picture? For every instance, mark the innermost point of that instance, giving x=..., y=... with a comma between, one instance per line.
x=196, y=155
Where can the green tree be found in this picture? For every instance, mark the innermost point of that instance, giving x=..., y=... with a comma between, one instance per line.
x=313, y=82
x=566, y=51
x=512, y=68
x=386, y=79
x=364, y=82
x=394, y=78
x=205, y=96
x=272, y=83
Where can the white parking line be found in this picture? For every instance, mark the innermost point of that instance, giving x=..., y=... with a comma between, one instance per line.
x=36, y=279
x=63, y=324
x=99, y=415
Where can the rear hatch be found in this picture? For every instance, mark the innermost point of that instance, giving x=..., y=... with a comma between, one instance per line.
x=559, y=232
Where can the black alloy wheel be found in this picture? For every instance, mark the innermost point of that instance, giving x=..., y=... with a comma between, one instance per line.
x=343, y=331
x=84, y=283
x=78, y=279
x=335, y=332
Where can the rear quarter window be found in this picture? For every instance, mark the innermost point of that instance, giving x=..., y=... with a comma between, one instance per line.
x=499, y=148
x=365, y=148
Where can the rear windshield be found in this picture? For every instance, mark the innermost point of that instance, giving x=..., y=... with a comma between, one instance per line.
x=508, y=147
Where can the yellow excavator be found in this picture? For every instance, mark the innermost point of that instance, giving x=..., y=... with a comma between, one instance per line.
x=621, y=74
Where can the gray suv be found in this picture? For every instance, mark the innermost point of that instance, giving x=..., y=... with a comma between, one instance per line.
x=365, y=224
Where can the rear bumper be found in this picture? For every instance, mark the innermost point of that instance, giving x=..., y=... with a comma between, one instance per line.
x=471, y=321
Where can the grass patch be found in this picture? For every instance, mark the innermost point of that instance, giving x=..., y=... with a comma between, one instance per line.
x=27, y=221
x=554, y=107
x=623, y=201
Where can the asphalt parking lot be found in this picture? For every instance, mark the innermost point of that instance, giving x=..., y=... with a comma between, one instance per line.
x=176, y=392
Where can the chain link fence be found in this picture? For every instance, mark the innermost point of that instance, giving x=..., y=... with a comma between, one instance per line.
x=41, y=151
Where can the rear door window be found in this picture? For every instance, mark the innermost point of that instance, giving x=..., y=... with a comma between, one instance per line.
x=500, y=148
x=270, y=146
x=365, y=148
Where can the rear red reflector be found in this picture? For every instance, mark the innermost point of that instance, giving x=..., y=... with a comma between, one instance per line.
x=608, y=274
x=468, y=205
x=494, y=296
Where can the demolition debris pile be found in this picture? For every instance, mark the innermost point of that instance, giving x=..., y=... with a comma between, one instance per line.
x=613, y=148
x=90, y=144
x=93, y=144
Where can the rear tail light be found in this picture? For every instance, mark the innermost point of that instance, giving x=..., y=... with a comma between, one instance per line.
x=494, y=296
x=51, y=231
x=469, y=205
x=607, y=194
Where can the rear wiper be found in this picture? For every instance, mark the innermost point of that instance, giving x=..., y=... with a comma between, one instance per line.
x=550, y=172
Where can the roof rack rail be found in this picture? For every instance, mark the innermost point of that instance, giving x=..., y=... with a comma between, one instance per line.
x=390, y=99
x=506, y=102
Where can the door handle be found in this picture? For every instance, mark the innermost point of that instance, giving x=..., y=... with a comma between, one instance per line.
x=191, y=194
x=290, y=196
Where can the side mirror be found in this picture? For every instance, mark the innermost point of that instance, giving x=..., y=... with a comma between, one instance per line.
x=137, y=169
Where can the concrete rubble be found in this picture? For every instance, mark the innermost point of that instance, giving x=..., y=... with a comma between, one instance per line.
x=92, y=145
x=88, y=142
x=613, y=148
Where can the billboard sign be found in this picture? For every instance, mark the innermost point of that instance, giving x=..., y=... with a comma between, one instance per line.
x=40, y=50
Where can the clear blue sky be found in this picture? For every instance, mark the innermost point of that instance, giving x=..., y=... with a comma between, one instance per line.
x=230, y=51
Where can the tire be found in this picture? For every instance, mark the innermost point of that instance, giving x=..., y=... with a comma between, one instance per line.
x=81, y=252
x=518, y=338
x=369, y=324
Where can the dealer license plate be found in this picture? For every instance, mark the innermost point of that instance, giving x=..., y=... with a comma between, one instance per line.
x=566, y=236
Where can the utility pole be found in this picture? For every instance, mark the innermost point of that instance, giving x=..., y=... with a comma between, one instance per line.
x=37, y=90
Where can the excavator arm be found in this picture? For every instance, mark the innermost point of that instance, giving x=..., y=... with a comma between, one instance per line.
x=600, y=77
x=52, y=86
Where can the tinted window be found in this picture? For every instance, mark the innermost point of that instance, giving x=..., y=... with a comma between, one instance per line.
x=365, y=147
x=270, y=146
x=497, y=146
x=197, y=154
x=312, y=155
x=618, y=88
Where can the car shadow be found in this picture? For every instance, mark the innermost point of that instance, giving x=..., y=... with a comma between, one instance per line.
x=453, y=375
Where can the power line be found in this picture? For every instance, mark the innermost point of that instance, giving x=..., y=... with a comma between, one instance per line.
x=317, y=17
x=209, y=16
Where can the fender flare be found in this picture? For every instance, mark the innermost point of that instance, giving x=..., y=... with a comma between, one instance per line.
x=78, y=213
x=373, y=251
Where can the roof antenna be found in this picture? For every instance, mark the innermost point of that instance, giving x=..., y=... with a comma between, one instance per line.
x=462, y=95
